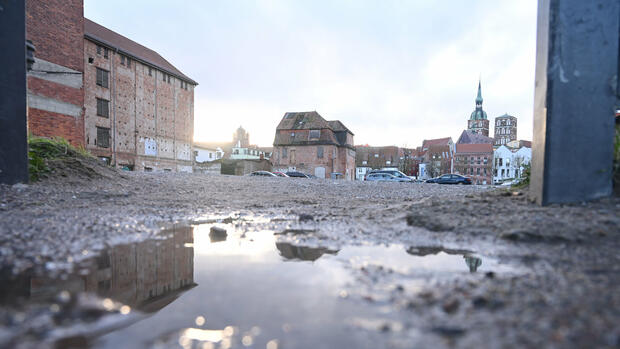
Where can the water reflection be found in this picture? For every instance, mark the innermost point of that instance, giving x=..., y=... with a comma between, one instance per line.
x=146, y=275
x=217, y=234
x=472, y=262
x=304, y=253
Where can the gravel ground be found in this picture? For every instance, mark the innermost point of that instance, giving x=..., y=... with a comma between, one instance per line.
x=564, y=295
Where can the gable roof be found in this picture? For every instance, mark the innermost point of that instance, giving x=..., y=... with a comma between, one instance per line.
x=310, y=120
x=102, y=35
x=338, y=126
x=470, y=137
x=474, y=148
x=438, y=141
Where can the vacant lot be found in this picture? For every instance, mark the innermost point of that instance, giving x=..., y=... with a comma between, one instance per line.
x=555, y=285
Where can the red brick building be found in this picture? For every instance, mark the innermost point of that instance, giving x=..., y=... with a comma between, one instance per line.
x=55, y=83
x=437, y=154
x=475, y=161
x=139, y=109
x=98, y=89
x=308, y=143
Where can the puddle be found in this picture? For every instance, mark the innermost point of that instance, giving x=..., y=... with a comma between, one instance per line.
x=213, y=286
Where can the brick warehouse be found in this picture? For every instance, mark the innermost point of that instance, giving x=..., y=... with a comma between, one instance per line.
x=98, y=89
x=475, y=161
x=308, y=143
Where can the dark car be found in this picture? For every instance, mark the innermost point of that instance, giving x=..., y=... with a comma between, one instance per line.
x=394, y=173
x=262, y=174
x=450, y=178
x=296, y=174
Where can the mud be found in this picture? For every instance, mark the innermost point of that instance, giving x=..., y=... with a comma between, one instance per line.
x=543, y=276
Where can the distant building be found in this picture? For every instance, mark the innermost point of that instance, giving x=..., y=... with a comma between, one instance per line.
x=306, y=142
x=509, y=163
x=437, y=155
x=241, y=138
x=392, y=157
x=519, y=144
x=471, y=137
x=505, y=129
x=205, y=153
x=249, y=152
x=478, y=121
x=475, y=161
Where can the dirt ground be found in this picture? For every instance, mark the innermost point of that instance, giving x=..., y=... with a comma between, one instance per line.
x=565, y=293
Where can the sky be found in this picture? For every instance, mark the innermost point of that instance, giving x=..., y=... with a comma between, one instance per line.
x=395, y=72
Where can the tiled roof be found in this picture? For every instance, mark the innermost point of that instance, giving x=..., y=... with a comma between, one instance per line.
x=469, y=137
x=474, y=148
x=439, y=141
x=338, y=126
x=107, y=37
x=310, y=120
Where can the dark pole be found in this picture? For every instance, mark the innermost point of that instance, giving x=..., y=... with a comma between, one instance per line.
x=574, y=102
x=13, y=129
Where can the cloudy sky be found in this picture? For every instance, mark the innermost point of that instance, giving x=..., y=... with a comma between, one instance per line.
x=394, y=72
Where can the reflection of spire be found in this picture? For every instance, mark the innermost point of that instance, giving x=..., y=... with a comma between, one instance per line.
x=473, y=263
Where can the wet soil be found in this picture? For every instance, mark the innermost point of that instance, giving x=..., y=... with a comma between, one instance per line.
x=309, y=263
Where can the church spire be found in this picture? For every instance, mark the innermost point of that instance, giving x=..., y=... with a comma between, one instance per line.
x=479, y=97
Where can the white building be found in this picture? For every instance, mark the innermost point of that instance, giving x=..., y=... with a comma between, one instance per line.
x=508, y=164
x=360, y=172
x=206, y=154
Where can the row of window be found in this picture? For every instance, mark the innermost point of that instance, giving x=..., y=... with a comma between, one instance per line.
x=319, y=152
x=103, y=76
x=471, y=160
x=470, y=171
x=504, y=122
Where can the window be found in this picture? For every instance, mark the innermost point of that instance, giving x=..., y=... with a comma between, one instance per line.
x=376, y=155
x=319, y=152
x=128, y=62
x=105, y=52
x=122, y=60
x=500, y=161
x=292, y=135
x=103, y=107
x=284, y=152
x=150, y=71
x=168, y=78
x=103, y=137
x=163, y=76
x=98, y=49
x=364, y=162
x=315, y=134
x=91, y=60
x=102, y=77
x=478, y=170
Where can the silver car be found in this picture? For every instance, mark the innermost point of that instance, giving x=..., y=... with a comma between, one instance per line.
x=386, y=177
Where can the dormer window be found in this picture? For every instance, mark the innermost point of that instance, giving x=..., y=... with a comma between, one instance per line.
x=314, y=134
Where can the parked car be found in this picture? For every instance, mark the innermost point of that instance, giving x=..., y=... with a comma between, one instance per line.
x=386, y=177
x=451, y=178
x=431, y=180
x=296, y=174
x=280, y=174
x=394, y=173
x=263, y=174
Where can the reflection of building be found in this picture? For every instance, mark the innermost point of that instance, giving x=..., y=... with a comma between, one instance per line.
x=304, y=253
x=146, y=275
x=472, y=263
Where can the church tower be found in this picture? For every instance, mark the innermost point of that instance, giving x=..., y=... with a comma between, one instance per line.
x=478, y=121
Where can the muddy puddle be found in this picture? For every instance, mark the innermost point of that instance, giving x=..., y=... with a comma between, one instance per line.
x=213, y=286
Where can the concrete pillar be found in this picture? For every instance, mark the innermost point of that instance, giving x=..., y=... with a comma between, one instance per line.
x=574, y=102
x=13, y=127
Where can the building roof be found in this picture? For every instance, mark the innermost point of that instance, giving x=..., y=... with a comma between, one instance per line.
x=438, y=141
x=338, y=126
x=310, y=120
x=470, y=137
x=474, y=148
x=506, y=116
x=102, y=35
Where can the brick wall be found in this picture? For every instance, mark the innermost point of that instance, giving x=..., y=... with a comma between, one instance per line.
x=151, y=119
x=479, y=170
x=55, y=93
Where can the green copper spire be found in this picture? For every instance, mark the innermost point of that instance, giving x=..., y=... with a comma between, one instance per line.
x=479, y=98
x=478, y=113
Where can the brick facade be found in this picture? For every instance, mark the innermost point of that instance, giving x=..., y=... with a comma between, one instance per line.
x=475, y=161
x=150, y=114
x=296, y=148
x=55, y=90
